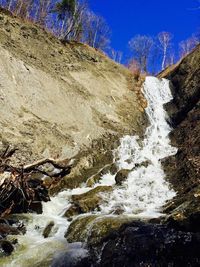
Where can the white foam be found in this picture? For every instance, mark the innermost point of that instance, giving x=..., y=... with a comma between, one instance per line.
x=145, y=190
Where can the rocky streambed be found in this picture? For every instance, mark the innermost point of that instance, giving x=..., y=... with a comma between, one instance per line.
x=113, y=217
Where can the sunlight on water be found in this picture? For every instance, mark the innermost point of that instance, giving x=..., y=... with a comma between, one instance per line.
x=145, y=191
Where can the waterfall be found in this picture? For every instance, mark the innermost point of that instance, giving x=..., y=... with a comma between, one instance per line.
x=143, y=193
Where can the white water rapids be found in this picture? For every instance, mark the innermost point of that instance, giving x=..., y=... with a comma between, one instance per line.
x=143, y=193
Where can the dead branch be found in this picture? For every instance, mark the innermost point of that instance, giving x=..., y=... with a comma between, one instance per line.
x=21, y=193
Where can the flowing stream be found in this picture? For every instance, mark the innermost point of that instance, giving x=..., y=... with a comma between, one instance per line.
x=143, y=193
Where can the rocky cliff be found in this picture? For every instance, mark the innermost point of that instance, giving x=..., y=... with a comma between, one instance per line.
x=58, y=99
x=184, y=168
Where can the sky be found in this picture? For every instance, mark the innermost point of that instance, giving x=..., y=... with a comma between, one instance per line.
x=130, y=17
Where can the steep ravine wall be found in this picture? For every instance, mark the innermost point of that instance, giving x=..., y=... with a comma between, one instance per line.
x=183, y=169
x=60, y=99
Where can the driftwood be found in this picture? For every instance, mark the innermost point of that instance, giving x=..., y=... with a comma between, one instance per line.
x=21, y=193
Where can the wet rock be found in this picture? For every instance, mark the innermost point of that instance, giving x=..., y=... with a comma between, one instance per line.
x=140, y=244
x=77, y=231
x=122, y=176
x=88, y=201
x=91, y=193
x=111, y=168
x=73, y=210
x=94, y=160
x=75, y=256
x=91, y=229
x=184, y=211
x=6, y=248
x=48, y=229
x=6, y=229
x=93, y=180
x=117, y=210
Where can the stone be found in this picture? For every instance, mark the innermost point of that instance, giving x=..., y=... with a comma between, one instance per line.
x=87, y=202
x=121, y=176
x=144, y=244
x=111, y=168
x=6, y=229
x=91, y=229
x=6, y=247
x=48, y=229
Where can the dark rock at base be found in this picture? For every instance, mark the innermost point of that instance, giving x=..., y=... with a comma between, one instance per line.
x=140, y=244
x=76, y=256
x=68, y=262
x=6, y=247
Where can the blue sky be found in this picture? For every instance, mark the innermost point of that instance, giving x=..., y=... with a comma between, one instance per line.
x=130, y=17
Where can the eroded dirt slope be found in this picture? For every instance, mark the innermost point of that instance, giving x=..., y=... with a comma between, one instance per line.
x=58, y=98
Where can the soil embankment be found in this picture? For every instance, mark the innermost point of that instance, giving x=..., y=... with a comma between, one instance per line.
x=57, y=99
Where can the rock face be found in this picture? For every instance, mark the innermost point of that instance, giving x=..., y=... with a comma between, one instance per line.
x=183, y=169
x=140, y=244
x=57, y=99
x=185, y=86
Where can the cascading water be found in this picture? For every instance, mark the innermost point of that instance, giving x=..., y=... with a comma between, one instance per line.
x=145, y=190
x=142, y=194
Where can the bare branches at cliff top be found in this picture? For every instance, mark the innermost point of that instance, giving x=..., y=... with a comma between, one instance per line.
x=141, y=46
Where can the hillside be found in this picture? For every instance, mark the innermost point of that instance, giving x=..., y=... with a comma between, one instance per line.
x=56, y=98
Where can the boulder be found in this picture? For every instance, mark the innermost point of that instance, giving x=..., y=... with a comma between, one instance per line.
x=122, y=176
x=144, y=244
x=87, y=202
x=6, y=229
x=91, y=229
x=48, y=229
x=6, y=248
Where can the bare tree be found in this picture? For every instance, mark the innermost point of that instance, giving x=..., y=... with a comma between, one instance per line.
x=164, y=39
x=141, y=46
x=96, y=31
x=42, y=9
x=23, y=8
x=116, y=55
x=186, y=46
